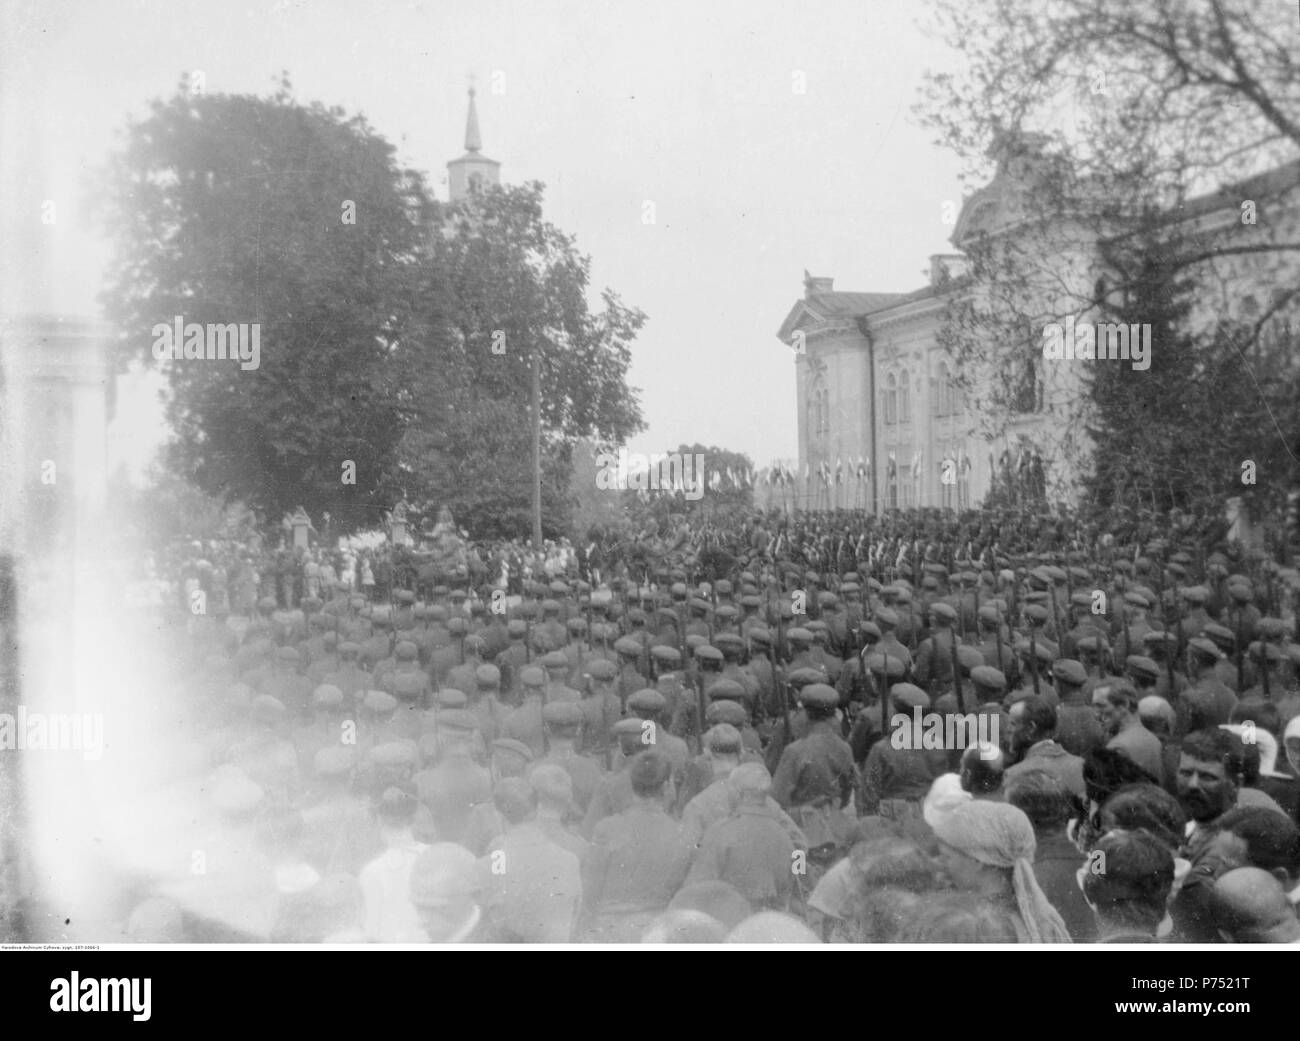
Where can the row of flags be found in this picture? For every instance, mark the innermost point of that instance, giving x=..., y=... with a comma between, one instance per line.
x=859, y=471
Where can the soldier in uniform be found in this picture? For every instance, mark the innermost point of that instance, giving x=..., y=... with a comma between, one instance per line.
x=348, y=676
x=557, y=673
x=630, y=679
x=751, y=849
x=887, y=619
x=732, y=647
x=895, y=779
x=1206, y=702
x=649, y=705
x=933, y=670
x=1195, y=617
x=486, y=705
x=614, y=793
x=815, y=777
x=525, y=722
x=461, y=676
x=1084, y=624
x=454, y=784
x=1133, y=625
x=639, y=857
x=1078, y=731
x=1161, y=647
x=800, y=640
x=512, y=660
x=1241, y=615
x=563, y=720
x=821, y=651
x=536, y=896
x=997, y=653
x=601, y=709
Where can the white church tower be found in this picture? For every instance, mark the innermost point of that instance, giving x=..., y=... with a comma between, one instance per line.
x=472, y=167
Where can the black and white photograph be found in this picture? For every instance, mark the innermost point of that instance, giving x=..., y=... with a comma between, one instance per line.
x=620, y=475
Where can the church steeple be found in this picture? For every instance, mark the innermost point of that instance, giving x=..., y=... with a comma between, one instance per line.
x=473, y=167
x=473, y=139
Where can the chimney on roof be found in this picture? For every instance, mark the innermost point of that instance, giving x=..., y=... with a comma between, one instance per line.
x=812, y=285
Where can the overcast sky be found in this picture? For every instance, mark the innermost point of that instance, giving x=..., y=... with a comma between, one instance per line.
x=692, y=105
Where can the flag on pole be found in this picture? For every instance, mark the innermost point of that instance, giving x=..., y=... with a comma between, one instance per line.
x=862, y=468
x=839, y=470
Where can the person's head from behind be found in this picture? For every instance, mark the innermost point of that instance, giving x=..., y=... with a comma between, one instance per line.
x=883, y=913
x=444, y=888
x=1250, y=836
x=958, y=918
x=1146, y=807
x=772, y=927
x=651, y=776
x=396, y=809
x=894, y=862
x=1127, y=879
x=554, y=788
x=1157, y=715
x=1249, y=905
x=751, y=783
x=982, y=768
x=1106, y=771
x=718, y=900
x=515, y=799
x=1039, y=795
x=684, y=927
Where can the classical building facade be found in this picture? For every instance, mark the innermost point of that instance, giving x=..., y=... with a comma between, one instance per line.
x=886, y=420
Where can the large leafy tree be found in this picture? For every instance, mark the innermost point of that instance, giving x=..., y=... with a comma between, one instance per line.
x=1133, y=110
x=502, y=285
x=242, y=209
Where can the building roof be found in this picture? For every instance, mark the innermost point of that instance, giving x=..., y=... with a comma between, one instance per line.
x=834, y=305
x=1272, y=182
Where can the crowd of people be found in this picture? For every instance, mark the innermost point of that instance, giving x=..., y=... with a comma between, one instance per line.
x=921, y=727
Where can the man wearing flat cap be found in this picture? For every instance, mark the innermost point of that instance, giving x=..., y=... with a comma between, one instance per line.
x=1077, y=728
x=563, y=720
x=933, y=671
x=638, y=858
x=815, y=778
x=1206, y=702
x=899, y=769
x=601, y=709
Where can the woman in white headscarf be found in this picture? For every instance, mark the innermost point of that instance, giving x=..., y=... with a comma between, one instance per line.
x=988, y=848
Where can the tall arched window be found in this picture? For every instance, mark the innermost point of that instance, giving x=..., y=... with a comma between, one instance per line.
x=818, y=409
x=891, y=398
x=904, y=398
x=1027, y=390
x=943, y=392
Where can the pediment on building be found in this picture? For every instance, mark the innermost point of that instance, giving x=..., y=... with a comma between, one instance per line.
x=801, y=316
x=820, y=310
x=982, y=214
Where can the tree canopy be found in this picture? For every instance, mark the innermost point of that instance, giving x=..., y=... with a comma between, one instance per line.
x=395, y=332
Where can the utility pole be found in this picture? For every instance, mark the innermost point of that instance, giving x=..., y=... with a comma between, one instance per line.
x=537, y=452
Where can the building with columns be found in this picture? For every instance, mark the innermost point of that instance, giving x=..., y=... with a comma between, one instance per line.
x=884, y=421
